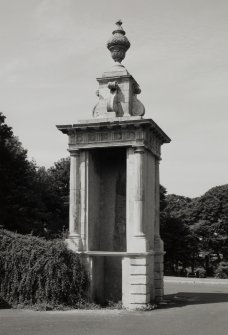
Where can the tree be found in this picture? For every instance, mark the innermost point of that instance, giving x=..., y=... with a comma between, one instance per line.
x=180, y=245
x=32, y=199
x=207, y=220
x=178, y=206
x=59, y=175
x=16, y=177
x=163, y=196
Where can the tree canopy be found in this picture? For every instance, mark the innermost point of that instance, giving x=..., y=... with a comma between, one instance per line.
x=32, y=199
x=202, y=226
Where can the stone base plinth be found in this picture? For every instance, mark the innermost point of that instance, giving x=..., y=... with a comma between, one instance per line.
x=137, y=273
x=142, y=276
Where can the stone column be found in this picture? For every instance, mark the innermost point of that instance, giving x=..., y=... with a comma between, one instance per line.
x=139, y=192
x=74, y=206
x=138, y=198
x=136, y=268
x=157, y=200
x=158, y=243
x=83, y=197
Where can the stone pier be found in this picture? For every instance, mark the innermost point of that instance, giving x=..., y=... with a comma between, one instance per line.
x=114, y=190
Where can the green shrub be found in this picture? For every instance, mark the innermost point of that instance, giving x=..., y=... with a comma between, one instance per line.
x=222, y=270
x=36, y=271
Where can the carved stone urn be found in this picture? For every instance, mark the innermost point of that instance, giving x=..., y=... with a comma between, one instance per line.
x=118, y=44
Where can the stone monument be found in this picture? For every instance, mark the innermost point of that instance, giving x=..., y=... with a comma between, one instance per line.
x=114, y=190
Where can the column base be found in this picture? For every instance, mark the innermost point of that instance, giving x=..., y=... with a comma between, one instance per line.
x=138, y=244
x=74, y=243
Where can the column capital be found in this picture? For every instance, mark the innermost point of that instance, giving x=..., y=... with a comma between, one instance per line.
x=139, y=149
x=74, y=153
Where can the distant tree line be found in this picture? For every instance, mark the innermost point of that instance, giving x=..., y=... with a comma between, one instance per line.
x=195, y=233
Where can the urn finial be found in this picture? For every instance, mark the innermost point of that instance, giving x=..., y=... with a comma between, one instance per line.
x=118, y=44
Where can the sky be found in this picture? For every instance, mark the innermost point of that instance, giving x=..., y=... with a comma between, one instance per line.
x=52, y=51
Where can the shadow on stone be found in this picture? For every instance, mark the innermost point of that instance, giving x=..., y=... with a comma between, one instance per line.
x=182, y=299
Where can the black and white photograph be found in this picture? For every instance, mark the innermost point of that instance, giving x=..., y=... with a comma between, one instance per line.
x=113, y=167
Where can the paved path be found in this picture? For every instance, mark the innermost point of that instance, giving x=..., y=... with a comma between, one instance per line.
x=194, y=308
x=214, y=281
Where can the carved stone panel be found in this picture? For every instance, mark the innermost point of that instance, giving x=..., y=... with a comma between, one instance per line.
x=132, y=136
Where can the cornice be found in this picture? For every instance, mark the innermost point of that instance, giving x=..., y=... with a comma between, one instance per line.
x=114, y=124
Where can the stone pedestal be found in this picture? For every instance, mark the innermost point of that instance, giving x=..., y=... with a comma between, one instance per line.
x=137, y=276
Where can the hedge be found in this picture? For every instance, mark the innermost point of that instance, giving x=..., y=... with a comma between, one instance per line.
x=36, y=271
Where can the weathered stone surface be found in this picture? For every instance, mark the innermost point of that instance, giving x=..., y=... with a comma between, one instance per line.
x=139, y=299
x=117, y=206
x=117, y=70
x=140, y=289
x=138, y=270
x=121, y=86
x=114, y=190
x=139, y=280
x=139, y=261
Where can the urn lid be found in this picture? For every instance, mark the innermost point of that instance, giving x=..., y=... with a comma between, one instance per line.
x=118, y=43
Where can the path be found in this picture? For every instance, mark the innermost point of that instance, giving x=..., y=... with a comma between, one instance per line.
x=197, y=309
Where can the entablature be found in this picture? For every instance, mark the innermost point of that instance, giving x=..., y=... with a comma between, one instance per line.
x=111, y=133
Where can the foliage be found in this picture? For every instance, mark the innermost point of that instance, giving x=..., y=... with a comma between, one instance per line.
x=59, y=175
x=53, y=191
x=178, y=206
x=211, y=207
x=179, y=245
x=205, y=219
x=178, y=241
x=32, y=200
x=222, y=270
x=15, y=177
x=200, y=272
x=163, y=196
x=35, y=271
